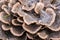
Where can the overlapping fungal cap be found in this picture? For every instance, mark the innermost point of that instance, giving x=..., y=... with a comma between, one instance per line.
x=30, y=19
x=13, y=30
x=6, y=9
x=16, y=7
x=31, y=28
x=39, y=6
x=5, y=18
x=6, y=27
x=56, y=25
x=28, y=4
x=42, y=34
x=2, y=35
x=47, y=17
x=15, y=22
x=54, y=36
x=17, y=31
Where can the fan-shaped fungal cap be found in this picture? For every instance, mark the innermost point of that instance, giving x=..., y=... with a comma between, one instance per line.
x=50, y=10
x=21, y=13
x=17, y=31
x=42, y=34
x=19, y=20
x=6, y=9
x=54, y=36
x=16, y=7
x=28, y=19
x=39, y=6
x=5, y=27
x=5, y=18
x=15, y=22
x=31, y=28
x=56, y=25
x=28, y=4
x=47, y=18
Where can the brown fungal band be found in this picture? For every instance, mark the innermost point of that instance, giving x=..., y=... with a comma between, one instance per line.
x=29, y=19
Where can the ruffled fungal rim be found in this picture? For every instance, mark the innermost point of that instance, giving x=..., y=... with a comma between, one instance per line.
x=55, y=26
x=3, y=15
x=31, y=31
x=39, y=6
x=15, y=22
x=49, y=11
x=19, y=20
x=54, y=35
x=6, y=9
x=28, y=5
x=42, y=34
x=15, y=32
x=31, y=18
x=27, y=8
x=17, y=8
x=5, y=27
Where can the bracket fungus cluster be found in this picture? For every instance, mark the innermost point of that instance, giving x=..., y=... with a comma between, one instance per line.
x=30, y=19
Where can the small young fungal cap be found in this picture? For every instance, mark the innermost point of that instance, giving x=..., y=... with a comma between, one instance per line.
x=16, y=7
x=15, y=22
x=42, y=34
x=39, y=7
x=6, y=9
x=6, y=27
x=5, y=18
